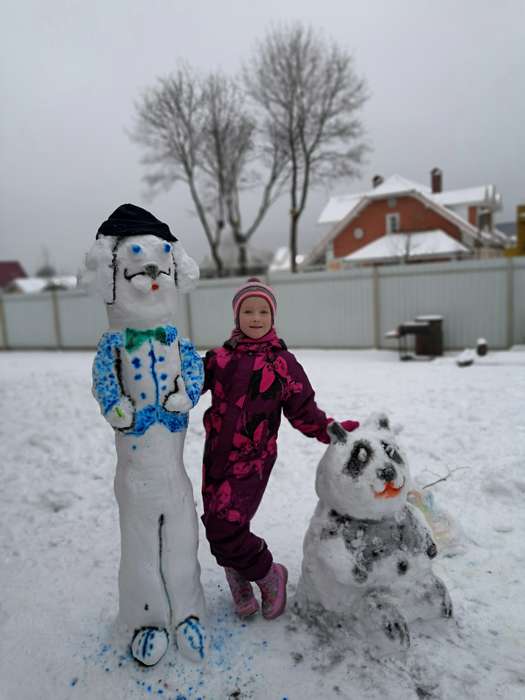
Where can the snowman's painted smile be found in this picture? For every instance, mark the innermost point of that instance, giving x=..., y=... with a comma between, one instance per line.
x=390, y=491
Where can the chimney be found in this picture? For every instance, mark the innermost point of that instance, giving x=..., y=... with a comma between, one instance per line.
x=436, y=180
x=377, y=180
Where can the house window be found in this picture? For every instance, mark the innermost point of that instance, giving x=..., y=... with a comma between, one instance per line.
x=392, y=202
x=392, y=223
x=358, y=233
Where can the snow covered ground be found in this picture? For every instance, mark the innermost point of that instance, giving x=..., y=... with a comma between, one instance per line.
x=59, y=540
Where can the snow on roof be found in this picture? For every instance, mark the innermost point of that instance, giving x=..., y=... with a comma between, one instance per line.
x=34, y=285
x=338, y=207
x=27, y=285
x=482, y=195
x=397, y=184
x=411, y=245
x=341, y=205
x=281, y=260
x=63, y=282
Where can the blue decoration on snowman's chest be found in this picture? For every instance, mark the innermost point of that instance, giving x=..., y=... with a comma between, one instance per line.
x=146, y=375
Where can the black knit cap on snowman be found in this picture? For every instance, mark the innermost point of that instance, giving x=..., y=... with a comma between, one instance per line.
x=130, y=220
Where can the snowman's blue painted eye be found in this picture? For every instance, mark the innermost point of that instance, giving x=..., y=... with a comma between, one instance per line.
x=136, y=249
x=167, y=248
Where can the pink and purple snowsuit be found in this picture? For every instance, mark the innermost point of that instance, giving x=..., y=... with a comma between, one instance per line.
x=251, y=381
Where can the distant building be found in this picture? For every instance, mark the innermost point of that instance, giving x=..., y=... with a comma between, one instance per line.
x=399, y=220
x=34, y=285
x=9, y=271
x=281, y=260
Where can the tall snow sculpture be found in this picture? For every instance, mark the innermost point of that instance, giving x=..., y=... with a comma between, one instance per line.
x=146, y=378
x=367, y=552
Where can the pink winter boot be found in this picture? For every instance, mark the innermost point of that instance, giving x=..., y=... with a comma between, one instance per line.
x=273, y=591
x=242, y=593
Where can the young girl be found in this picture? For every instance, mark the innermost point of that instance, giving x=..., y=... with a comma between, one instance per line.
x=252, y=377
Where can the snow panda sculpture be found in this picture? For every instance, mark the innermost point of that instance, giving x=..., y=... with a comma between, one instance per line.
x=367, y=552
x=146, y=378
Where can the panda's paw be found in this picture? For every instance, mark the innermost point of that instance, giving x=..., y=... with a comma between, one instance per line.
x=191, y=639
x=396, y=630
x=149, y=645
x=447, y=609
x=385, y=623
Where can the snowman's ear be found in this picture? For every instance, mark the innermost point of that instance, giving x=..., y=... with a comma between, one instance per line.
x=186, y=270
x=379, y=421
x=98, y=271
x=337, y=433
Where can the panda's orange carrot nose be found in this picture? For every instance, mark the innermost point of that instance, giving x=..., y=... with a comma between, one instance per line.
x=390, y=491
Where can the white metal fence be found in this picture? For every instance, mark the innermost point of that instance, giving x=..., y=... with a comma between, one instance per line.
x=347, y=309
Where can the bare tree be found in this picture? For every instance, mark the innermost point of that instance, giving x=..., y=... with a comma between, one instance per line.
x=47, y=269
x=197, y=130
x=309, y=94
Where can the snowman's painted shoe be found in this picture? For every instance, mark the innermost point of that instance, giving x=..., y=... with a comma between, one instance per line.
x=149, y=645
x=192, y=641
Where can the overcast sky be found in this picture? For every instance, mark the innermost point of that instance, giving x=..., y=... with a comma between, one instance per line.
x=445, y=78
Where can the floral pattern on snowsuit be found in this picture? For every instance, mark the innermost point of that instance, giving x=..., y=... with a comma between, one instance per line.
x=252, y=383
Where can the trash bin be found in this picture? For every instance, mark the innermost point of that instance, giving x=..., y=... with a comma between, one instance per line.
x=430, y=343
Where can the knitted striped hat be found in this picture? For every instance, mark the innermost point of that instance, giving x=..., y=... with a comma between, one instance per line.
x=253, y=288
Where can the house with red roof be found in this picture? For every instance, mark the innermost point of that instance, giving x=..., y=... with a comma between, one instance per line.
x=10, y=270
x=398, y=220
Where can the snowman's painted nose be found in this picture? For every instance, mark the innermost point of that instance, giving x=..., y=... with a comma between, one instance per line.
x=387, y=474
x=152, y=271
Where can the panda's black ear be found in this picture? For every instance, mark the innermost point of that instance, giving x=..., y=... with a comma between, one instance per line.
x=337, y=433
x=379, y=420
x=383, y=422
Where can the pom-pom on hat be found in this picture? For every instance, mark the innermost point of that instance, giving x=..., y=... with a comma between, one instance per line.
x=253, y=288
x=130, y=220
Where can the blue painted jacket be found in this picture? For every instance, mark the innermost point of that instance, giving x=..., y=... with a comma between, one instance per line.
x=143, y=366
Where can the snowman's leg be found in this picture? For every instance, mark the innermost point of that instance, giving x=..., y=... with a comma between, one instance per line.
x=142, y=601
x=180, y=564
x=142, y=595
x=181, y=571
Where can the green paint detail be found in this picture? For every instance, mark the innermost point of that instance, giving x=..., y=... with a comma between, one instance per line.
x=135, y=338
x=119, y=412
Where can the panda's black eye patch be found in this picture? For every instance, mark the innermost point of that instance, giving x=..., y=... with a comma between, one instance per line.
x=362, y=453
x=392, y=452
